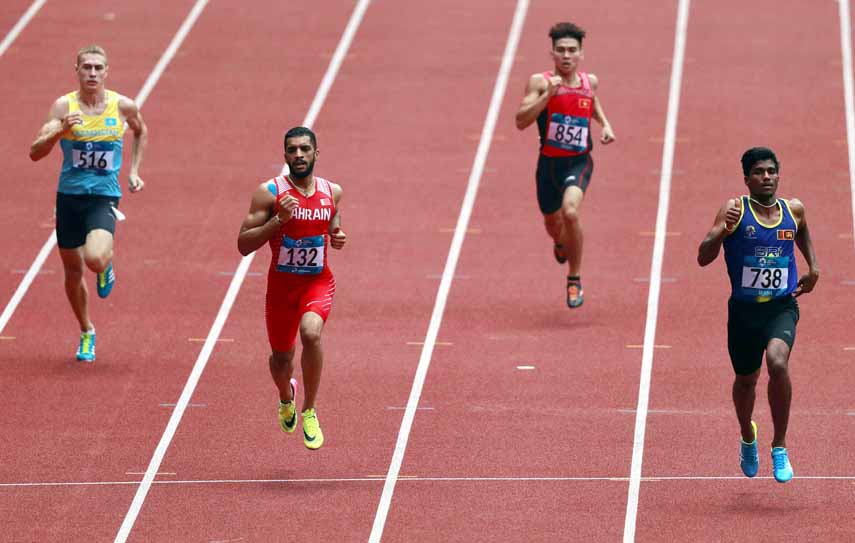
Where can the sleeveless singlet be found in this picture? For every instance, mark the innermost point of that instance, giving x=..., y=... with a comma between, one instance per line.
x=565, y=124
x=300, y=249
x=92, y=154
x=760, y=257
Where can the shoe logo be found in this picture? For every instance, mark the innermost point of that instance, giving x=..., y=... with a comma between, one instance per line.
x=788, y=332
x=308, y=438
x=291, y=422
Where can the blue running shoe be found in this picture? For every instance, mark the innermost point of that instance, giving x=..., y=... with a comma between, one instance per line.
x=105, y=281
x=86, y=350
x=781, y=465
x=749, y=460
x=575, y=295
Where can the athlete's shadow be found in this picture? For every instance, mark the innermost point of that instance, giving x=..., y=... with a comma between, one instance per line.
x=762, y=503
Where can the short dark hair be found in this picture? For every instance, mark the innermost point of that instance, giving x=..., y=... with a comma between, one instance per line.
x=755, y=155
x=566, y=30
x=298, y=131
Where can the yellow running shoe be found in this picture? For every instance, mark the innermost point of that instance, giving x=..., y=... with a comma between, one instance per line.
x=313, y=438
x=288, y=411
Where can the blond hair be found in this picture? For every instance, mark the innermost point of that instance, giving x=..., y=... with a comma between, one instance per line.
x=92, y=50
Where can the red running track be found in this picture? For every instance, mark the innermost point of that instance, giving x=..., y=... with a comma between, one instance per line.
x=495, y=452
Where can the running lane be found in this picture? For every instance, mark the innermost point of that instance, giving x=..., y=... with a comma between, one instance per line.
x=398, y=131
x=516, y=445
x=79, y=423
x=748, y=84
x=10, y=14
x=42, y=61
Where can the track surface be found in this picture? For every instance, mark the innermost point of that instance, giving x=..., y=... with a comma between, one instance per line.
x=495, y=452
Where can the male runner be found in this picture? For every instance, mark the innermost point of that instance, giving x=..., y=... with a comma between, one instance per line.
x=296, y=214
x=758, y=232
x=89, y=124
x=563, y=102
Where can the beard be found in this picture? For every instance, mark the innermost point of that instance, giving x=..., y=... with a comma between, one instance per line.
x=304, y=174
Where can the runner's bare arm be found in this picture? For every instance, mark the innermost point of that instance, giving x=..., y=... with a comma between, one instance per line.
x=337, y=236
x=725, y=222
x=133, y=117
x=537, y=94
x=59, y=122
x=803, y=241
x=599, y=115
x=260, y=224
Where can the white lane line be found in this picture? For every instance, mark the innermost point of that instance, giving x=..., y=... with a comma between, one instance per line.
x=140, y=99
x=656, y=270
x=381, y=478
x=31, y=274
x=19, y=26
x=448, y=273
x=231, y=294
x=848, y=91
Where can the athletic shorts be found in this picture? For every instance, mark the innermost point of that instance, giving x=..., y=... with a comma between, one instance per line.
x=751, y=325
x=287, y=302
x=79, y=214
x=555, y=174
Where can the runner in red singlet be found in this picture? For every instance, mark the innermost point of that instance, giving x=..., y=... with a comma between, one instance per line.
x=563, y=102
x=296, y=214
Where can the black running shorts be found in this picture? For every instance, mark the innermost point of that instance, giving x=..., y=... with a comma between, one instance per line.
x=751, y=325
x=79, y=214
x=555, y=174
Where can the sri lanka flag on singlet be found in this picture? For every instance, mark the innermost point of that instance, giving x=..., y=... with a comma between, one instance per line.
x=760, y=258
x=565, y=124
x=92, y=155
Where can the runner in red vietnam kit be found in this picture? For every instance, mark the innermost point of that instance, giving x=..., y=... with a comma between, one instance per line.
x=296, y=214
x=563, y=102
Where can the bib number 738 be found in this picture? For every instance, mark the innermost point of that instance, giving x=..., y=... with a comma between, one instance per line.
x=768, y=278
x=764, y=278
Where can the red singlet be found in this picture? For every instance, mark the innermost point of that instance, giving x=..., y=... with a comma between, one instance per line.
x=565, y=124
x=299, y=279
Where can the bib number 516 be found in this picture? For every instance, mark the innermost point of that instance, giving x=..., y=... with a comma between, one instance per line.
x=91, y=160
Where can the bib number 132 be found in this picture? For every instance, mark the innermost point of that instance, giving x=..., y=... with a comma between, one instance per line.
x=301, y=256
x=304, y=256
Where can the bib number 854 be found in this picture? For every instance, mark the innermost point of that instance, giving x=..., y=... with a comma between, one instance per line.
x=568, y=134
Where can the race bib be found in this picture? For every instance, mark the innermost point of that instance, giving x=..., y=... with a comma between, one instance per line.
x=92, y=155
x=304, y=256
x=568, y=132
x=765, y=276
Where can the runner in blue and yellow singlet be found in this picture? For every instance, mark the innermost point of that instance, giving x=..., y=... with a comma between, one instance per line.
x=563, y=102
x=759, y=233
x=89, y=125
